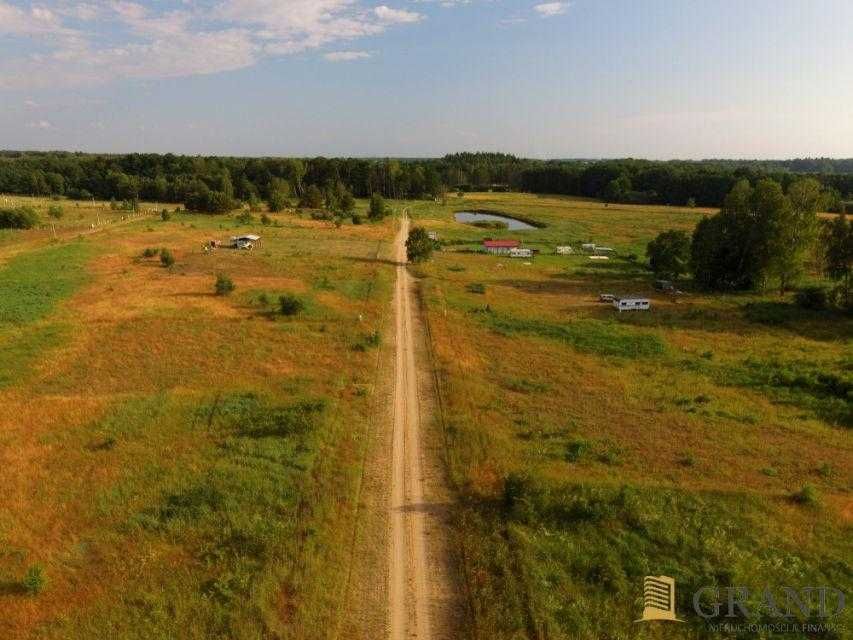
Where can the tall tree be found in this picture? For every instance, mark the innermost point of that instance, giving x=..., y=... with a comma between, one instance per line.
x=837, y=243
x=669, y=254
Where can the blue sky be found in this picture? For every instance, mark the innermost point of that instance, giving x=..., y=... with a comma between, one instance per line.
x=586, y=78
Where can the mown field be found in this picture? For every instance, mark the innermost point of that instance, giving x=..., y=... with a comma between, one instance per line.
x=708, y=440
x=177, y=464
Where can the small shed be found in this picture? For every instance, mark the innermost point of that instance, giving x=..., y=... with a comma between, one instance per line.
x=589, y=247
x=500, y=247
x=564, y=251
x=520, y=253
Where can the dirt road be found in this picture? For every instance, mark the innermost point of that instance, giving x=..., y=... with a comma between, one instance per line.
x=423, y=596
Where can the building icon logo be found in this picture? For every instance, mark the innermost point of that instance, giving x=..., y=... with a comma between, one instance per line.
x=659, y=599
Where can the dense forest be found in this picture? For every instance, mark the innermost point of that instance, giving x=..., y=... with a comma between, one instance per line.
x=216, y=183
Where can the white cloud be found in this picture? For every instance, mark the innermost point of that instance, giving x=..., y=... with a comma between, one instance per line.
x=197, y=38
x=346, y=56
x=39, y=124
x=548, y=9
x=398, y=16
x=37, y=21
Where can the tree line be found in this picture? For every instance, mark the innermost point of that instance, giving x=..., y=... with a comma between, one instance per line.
x=216, y=183
x=763, y=234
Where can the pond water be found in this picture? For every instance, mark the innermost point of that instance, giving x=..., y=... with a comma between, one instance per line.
x=469, y=217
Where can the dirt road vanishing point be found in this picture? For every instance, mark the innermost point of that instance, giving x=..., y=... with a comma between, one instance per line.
x=423, y=592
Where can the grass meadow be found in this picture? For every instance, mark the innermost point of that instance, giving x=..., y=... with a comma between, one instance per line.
x=180, y=464
x=177, y=464
x=708, y=440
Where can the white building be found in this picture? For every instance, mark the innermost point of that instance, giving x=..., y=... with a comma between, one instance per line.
x=632, y=304
x=565, y=251
x=520, y=253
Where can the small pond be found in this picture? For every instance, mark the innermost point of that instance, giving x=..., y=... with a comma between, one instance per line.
x=469, y=217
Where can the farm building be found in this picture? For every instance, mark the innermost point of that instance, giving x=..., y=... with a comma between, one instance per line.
x=432, y=235
x=520, y=253
x=632, y=304
x=500, y=247
x=604, y=250
x=564, y=251
x=588, y=247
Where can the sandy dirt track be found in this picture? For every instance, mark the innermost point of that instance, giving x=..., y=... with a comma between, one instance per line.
x=422, y=592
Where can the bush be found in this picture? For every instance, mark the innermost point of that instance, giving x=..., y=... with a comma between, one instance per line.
x=266, y=220
x=150, y=252
x=18, y=218
x=814, y=298
x=34, y=580
x=357, y=219
x=807, y=496
x=290, y=305
x=55, y=211
x=166, y=258
x=476, y=287
x=165, y=216
x=224, y=285
x=245, y=218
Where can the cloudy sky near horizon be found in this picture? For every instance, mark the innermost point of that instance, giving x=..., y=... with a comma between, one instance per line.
x=580, y=78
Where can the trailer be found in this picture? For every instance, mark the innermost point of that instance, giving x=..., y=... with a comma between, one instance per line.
x=632, y=304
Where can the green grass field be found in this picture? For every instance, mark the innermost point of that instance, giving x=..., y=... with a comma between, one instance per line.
x=177, y=464
x=707, y=440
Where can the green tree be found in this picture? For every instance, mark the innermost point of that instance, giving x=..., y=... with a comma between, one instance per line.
x=312, y=198
x=55, y=211
x=669, y=254
x=277, y=201
x=378, y=209
x=793, y=230
x=837, y=244
x=419, y=246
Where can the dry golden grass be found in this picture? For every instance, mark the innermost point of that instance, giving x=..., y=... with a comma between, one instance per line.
x=105, y=423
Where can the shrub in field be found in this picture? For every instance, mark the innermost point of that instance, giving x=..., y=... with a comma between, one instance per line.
x=266, y=220
x=165, y=216
x=150, y=252
x=224, y=285
x=370, y=341
x=245, y=218
x=18, y=218
x=34, y=580
x=476, y=287
x=814, y=298
x=166, y=258
x=357, y=219
x=807, y=496
x=55, y=211
x=290, y=305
